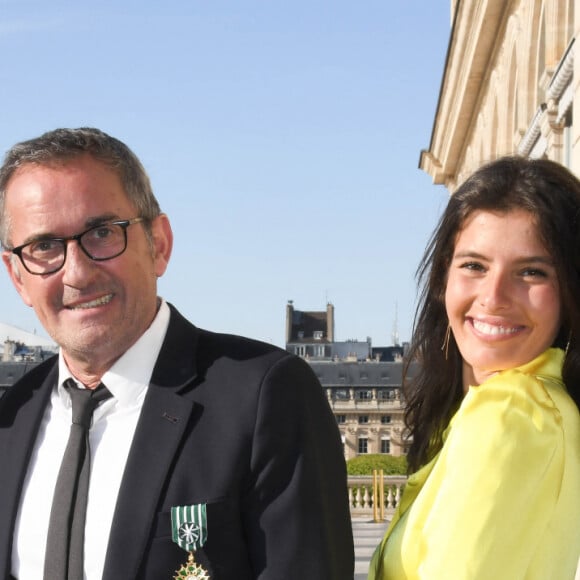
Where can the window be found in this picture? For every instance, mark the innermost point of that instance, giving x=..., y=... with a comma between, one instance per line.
x=341, y=394
x=385, y=446
x=318, y=334
x=385, y=419
x=341, y=419
x=363, y=419
x=364, y=395
x=363, y=445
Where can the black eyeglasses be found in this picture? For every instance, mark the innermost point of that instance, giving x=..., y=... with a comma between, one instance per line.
x=103, y=242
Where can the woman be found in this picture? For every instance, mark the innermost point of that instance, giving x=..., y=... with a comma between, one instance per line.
x=493, y=412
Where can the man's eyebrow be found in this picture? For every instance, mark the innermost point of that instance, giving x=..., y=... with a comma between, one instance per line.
x=101, y=219
x=89, y=223
x=37, y=238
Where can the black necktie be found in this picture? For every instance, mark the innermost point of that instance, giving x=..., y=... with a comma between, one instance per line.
x=66, y=529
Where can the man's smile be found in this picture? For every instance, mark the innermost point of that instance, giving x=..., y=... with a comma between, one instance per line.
x=101, y=301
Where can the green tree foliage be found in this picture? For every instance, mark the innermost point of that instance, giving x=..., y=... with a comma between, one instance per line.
x=365, y=464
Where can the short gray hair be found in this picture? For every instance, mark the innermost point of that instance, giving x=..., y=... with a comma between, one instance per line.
x=60, y=145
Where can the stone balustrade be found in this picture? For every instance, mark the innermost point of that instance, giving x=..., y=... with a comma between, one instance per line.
x=360, y=495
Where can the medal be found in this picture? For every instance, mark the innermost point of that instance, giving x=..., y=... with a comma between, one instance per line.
x=191, y=571
x=189, y=532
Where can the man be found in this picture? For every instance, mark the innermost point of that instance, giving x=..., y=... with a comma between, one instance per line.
x=237, y=431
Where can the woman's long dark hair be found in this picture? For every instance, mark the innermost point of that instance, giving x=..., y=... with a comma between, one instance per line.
x=552, y=195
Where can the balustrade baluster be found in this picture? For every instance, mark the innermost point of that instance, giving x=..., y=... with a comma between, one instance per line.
x=361, y=499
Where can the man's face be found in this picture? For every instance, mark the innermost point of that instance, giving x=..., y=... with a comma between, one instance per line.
x=94, y=310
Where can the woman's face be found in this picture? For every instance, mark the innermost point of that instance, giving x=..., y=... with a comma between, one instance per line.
x=502, y=296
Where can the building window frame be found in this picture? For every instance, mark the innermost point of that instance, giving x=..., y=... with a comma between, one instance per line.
x=364, y=395
x=363, y=445
x=385, y=446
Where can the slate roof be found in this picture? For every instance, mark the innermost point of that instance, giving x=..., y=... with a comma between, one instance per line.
x=358, y=374
x=10, y=372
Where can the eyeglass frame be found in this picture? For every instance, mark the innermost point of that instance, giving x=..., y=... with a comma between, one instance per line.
x=77, y=238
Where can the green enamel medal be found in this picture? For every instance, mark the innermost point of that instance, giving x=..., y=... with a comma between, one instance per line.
x=189, y=532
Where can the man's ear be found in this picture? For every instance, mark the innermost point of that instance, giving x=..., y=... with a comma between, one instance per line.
x=13, y=267
x=162, y=235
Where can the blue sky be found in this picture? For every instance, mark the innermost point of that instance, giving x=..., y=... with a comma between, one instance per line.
x=282, y=139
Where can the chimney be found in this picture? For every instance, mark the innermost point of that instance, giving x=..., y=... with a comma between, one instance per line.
x=289, y=317
x=330, y=321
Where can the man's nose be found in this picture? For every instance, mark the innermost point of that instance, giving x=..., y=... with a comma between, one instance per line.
x=77, y=264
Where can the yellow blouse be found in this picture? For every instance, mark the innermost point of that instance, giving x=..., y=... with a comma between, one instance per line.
x=501, y=500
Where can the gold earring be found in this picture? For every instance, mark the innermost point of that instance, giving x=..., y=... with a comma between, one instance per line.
x=445, y=345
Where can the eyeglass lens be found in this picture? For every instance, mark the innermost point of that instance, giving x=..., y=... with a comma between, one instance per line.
x=102, y=242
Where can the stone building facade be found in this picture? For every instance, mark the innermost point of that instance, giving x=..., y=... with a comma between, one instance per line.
x=365, y=397
x=362, y=382
x=510, y=86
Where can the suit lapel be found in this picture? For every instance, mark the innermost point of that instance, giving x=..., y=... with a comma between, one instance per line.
x=162, y=424
x=21, y=412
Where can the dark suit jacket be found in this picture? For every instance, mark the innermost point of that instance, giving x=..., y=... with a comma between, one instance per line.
x=239, y=425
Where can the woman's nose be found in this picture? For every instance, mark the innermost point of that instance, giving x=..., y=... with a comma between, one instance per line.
x=496, y=291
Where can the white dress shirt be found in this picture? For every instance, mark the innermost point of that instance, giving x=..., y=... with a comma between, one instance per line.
x=110, y=436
